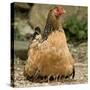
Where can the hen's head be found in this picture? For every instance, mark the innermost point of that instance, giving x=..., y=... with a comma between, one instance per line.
x=58, y=11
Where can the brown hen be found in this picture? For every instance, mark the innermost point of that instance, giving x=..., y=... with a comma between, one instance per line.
x=50, y=55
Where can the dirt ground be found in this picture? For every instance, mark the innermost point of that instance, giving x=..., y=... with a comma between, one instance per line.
x=81, y=71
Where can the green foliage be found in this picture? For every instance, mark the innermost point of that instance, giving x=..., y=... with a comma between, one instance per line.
x=75, y=29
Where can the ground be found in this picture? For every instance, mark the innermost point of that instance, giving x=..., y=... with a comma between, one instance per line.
x=81, y=68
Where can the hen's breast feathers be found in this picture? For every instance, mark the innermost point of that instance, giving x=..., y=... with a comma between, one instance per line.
x=52, y=53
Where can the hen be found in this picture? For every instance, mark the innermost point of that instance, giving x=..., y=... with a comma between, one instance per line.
x=49, y=57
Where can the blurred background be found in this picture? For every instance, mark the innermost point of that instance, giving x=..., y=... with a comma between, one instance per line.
x=28, y=15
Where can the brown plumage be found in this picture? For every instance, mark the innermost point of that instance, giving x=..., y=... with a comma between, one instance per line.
x=51, y=56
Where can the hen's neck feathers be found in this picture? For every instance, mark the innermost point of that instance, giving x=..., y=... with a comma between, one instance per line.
x=52, y=24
